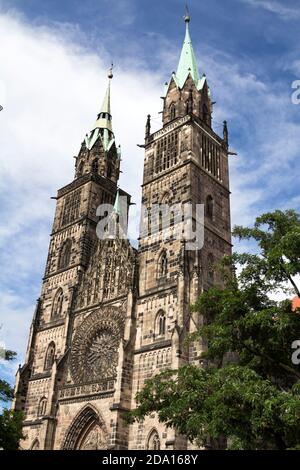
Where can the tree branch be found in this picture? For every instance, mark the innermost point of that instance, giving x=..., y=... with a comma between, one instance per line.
x=283, y=366
x=290, y=278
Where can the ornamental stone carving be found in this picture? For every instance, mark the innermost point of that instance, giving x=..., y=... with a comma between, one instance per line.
x=94, y=354
x=110, y=274
x=94, y=440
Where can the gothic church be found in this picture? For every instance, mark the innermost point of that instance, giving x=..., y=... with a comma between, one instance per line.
x=111, y=316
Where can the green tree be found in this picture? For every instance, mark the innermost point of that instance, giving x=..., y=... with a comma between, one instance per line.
x=10, y=421
x=249, y=390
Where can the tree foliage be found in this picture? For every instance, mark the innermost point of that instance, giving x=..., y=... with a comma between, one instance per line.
x=249, y=390
x=10, y=421
x=10, y=429
x=277, y=235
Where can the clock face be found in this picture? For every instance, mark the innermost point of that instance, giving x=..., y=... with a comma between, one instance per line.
x=94, y=355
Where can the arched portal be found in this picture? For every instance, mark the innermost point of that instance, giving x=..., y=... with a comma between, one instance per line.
x=87, y=432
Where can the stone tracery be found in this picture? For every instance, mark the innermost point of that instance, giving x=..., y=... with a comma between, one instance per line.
x=110, y=273
x=94, y=354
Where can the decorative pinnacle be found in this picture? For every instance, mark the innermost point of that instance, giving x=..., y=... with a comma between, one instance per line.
x=187, y=17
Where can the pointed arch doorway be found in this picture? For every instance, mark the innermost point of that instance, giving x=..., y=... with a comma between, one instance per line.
x=86, y=432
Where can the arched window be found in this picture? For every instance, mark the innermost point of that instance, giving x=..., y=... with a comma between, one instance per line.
x=65, y=254
x=163, y=265
x=57, y=303
x=149, y=221
x=49, y=358
x=172, y=111
x=210, y=207
x=153, y=441
x=160, y=323
x=187, y=107
x=160, y=220
x=95, y=166
x=109, y=169
x=163, y=211
x=106, y=280
x=80, y=169
x=42, y=406
x=210, y=267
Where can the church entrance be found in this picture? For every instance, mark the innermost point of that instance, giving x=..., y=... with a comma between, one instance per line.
x=87, y=432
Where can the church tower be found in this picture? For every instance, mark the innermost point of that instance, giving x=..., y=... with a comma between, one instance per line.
x=109, y=316
x=185, y=164
x=77, y=359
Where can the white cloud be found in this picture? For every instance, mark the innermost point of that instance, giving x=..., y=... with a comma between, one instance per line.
x=284, y=11
x=52, y=88
x=19, y=314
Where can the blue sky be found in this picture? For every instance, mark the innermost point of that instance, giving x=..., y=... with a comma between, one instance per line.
x=53, y=61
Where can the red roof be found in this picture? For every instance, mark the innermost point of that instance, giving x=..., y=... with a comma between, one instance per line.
x=296, y=303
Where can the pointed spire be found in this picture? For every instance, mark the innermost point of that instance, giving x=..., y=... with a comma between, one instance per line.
x=103, y=125
x=119, y=216
x=117, y=205
x=105, y=108
x=104, y=117
x=187, y=63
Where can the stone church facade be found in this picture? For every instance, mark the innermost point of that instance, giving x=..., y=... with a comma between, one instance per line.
x=111, y=316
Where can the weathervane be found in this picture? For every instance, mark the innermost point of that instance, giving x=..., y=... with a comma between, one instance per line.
x=187, y=17
x=110, y=72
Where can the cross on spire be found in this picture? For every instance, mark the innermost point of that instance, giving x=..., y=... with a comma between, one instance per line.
x=187, y=17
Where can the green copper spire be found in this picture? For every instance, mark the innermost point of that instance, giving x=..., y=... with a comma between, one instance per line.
x=104, y=117
x=117, y=205
x=118, y=214
x=103, y=124
x=187, y=63
x=105, y=108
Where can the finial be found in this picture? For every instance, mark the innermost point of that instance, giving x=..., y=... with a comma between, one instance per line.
x=225, y=133
x=187, y=17
x=148, y=126
x=110, y=72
